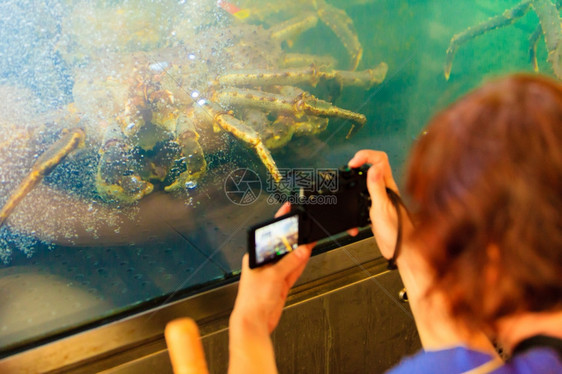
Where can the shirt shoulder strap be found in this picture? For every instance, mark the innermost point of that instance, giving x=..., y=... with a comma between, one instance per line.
x=539, y=341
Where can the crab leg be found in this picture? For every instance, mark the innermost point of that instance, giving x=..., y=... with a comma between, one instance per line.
x=293, y=27
x=533, y=40
x=301, y=59
x=279, y=132
x=550, y=22
x=285, y=126
x=300, y=104
x=245, y=133
x=505, y=19
x=365, y=78
x=310, y=75
x=340, y=23
x=45, y=163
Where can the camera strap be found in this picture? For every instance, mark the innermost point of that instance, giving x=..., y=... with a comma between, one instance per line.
x=397, y=203
x=539, y=341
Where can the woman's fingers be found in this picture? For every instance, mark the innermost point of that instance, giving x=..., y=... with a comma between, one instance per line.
x=294, y=271
x=293, y=259
x=284, y=209
x=289, y=267
x=245, y=262
x=366, y=156
x=375, y=158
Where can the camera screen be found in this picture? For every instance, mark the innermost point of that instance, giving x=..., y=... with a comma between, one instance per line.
x=276, y=239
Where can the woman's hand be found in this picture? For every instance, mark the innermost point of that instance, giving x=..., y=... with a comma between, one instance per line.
x=262, y=291
x=384, y=220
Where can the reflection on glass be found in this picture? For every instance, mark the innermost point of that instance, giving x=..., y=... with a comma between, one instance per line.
x=122, y=122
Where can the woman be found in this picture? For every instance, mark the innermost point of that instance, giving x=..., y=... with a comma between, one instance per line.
x=484, y=259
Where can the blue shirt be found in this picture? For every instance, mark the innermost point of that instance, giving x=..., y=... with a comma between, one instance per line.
x=458, y=360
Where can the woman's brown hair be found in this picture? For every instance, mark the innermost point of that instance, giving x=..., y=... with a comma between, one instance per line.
x=486, y=183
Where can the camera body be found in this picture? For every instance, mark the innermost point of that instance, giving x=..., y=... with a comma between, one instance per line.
x=327, y=211
x=334, y=201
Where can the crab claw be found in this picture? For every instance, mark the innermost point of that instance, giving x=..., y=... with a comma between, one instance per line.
x=117, y=178
x=192, y=156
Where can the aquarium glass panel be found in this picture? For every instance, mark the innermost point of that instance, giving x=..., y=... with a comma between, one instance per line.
x=141, y=139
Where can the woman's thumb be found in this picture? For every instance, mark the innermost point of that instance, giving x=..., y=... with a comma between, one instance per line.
x=294, y=259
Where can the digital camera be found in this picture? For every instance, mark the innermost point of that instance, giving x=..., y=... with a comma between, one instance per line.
x=333, y=201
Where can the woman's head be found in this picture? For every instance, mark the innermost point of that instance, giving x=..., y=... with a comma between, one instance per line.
x=486, y=182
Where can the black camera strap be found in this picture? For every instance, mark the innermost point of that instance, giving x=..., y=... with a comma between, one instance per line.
x=537, y=341
x=397, y=203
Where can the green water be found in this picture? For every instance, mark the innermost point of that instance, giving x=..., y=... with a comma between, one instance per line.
x=112, y=257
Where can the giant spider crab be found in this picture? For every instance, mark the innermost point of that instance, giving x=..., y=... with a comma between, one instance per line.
x=548, y=12
x=147, y=112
